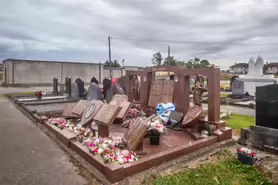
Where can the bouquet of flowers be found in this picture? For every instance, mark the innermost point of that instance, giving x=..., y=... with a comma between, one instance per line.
x=156, y=125
x=131, y=116
x=39, y=94
x=128, y=123
x=81, y=132
x=110, y=149
x=59, y=122
x=246, y=151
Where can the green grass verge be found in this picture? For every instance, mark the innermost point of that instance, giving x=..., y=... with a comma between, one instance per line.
x=240, y=121
x=228, y=172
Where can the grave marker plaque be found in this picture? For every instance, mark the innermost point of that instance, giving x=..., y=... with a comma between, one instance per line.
x=90, y=112
x=135, y=135
x=81, y=106
x=193, y=113
x=68, y=110
x=155, y=92
x=167, y=92
x=122, y=101
x=237, y=87
x=107, y=114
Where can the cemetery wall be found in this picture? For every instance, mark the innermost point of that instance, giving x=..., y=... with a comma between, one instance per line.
x=40, y=73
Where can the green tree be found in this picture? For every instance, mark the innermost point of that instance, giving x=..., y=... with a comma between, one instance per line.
x=170, y=60
x=157, y=58
x=114, y=63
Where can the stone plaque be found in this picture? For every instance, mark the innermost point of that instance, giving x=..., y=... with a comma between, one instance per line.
x=167, y=93
x=94, y=92
x=135, y=135
x=107, y=114
x=90, y=113
x=155, y=92
x=114, y=89
x=237, y=87
x=81, y=106
x=193, y=114
x=68, y=110
x=267, y=106
x=121, y=100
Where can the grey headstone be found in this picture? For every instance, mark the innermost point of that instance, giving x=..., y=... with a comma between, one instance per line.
x=68, y=85
x=74, y=90
x=80, y=85
x=94, y=92
x=55, y=85
x=237, y=87
x=62, y=88
x=106, y=85
x=267, y=106
x=114, y=89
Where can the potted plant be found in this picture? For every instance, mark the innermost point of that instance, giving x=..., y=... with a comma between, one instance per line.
x=245, y=155
x=39, y=94
x=154, y=135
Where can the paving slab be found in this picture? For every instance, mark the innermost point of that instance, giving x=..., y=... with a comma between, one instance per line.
x=29, y=157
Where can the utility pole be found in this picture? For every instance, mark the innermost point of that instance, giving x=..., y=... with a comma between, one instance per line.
x=168, y=55
x=109, y=45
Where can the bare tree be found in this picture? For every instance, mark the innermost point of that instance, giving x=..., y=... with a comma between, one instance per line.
x=157, y=58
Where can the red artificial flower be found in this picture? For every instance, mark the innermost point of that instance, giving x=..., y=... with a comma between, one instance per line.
x=106, y=151
x=115, y=159
x=95, y=151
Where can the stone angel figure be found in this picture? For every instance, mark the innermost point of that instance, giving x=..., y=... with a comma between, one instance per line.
x=199, y=89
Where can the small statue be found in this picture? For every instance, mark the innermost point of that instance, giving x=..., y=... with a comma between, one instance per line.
x=199, y=89
x=135, y=88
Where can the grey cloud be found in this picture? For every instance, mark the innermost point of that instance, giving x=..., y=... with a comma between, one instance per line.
x=77, y=30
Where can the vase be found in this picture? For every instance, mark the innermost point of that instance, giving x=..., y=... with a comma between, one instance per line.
x=154, y=139
x=245, y=159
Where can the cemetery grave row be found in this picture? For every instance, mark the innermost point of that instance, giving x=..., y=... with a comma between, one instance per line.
x=117, y=138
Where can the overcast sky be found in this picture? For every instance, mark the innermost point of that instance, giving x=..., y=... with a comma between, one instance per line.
x=77, y=30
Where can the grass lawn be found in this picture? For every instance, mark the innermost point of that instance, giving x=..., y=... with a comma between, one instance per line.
x=236, y=122
x=228, y=172
x=19, y=93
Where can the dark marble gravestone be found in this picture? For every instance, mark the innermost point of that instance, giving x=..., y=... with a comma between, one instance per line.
x=94, y=92
x=113, y=90
x=68, y=85
x=80, y=85
x=106, y=85
x=267, y=106
x=94, y=80
x=237, y=87
x=55, y=86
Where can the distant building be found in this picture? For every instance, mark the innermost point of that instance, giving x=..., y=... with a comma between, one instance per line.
x=272, y=68
x=239, y=68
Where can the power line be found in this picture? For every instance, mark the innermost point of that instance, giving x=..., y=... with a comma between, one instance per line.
x=192, y=42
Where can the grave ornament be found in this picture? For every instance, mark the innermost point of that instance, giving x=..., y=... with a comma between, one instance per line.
x=199, y=89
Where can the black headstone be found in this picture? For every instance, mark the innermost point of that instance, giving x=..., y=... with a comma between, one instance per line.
x=80, y=85
x=94, y=80
x=114, y=89
x=267, y=106
x=94, y=92
x=68, y=85
x=55, y=86
x=106, y=85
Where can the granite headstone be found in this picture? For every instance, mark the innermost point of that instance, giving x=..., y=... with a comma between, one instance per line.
x=267, y=106
x=68, y=85
x=55, y=85
x=237, y=87
x=114, y=89
x=94, y=92
x=74, y=90
x=106, y=85
x=80, y=85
